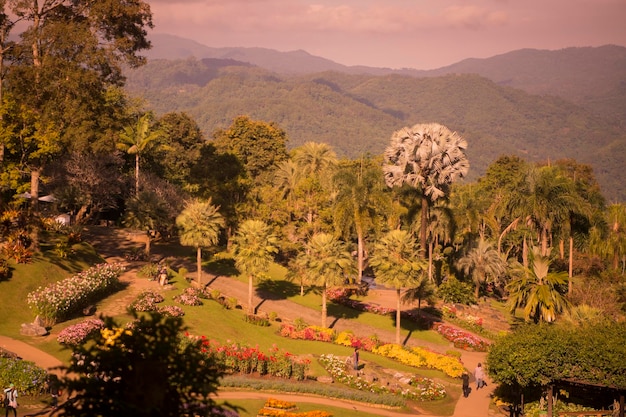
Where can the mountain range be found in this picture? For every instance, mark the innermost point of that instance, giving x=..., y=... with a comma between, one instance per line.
x=541, y=105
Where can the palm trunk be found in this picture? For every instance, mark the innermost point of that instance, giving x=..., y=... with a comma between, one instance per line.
x=250, y=307
x=423, y=225
x=324, y=309
x=570, y=268
x=199, y=264
x=360, y=254
x=137, y=175
x=398, y=316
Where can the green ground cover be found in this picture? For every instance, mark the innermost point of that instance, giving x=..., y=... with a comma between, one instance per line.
x=211, y=319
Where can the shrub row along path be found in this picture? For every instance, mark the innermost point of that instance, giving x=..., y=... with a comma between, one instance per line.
x=113, y=243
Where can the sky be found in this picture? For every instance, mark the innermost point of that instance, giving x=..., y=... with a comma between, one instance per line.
x=419, y=34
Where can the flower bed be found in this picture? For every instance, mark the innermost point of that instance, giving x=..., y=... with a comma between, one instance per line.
x=234, y=357
x=422, y=389
x=63, y=298
x=76, y=334
x=416, y=357
x=461, y=339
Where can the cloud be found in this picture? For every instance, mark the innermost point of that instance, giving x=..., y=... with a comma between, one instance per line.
x=473, y=17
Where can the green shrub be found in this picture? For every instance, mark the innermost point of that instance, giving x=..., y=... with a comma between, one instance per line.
x=256, y=320
x=454, y=291
x=29, y=379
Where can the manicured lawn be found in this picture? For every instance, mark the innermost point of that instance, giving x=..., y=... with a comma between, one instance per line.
x=211, y=319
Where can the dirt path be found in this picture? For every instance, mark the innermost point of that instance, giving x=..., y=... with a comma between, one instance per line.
x=112, y=243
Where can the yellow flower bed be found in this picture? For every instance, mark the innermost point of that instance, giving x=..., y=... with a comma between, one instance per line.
x=419, y=357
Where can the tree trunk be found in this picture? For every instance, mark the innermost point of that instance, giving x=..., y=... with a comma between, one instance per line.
x=430, y=262
x=137, y=175
x=550, y=399
x=423, y=225
x=148, y=242
x=250, y=307
x=324, y=309
x=570, y=268
x=360, y=254
x=398, y=316
x=199, y=264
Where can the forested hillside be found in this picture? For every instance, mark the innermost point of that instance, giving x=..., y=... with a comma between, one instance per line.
x=357, y=114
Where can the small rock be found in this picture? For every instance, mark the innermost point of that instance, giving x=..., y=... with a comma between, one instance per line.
x=32, y=329
x=325, y=379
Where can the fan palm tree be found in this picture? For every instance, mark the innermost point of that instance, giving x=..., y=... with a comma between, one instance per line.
x=427, y=157
x=137, y=140
x=325, y=262
x=146, y=212
x=200, y=224
x=538, y=291
x=397, y=264
x=253, y=248
x=483, y=264
x=359, y=202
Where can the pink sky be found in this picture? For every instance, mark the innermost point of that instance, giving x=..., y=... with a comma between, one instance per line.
x=421, y=34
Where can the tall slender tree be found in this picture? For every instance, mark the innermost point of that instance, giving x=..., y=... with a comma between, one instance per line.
x=200, y=224
x=253, y=248
x=325, y=262
x=359, y=203
x=137, y=140
x=427, y=157
x=397, y=264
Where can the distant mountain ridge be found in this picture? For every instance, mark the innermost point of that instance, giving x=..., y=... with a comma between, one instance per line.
x=355, y=109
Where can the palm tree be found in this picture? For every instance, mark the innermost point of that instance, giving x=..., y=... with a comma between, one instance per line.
x=610, y=243
x=137, y=139
x=427, y=157
x=325, y=262
x=423, y=291
x=537, y=290
x=544, y=200
x=253, y=249
x=483, y=264
x=359, y=202
x=146, y=212
x=397, y=264
x=314, y=162
x=200, y=224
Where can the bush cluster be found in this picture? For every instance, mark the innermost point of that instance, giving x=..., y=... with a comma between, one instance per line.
x=63, y=298
x=29, y=379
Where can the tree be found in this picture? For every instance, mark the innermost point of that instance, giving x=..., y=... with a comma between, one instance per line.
x=542, y=355
x=180, y=148
x=200, y=224
x=146, y=212
x=427, y=157
x=482, y=264
x=68, y=56
x=260, y=146
x=253, y=249
x=537, y=290
x=397, y=264
x=141, y=370
x=609, y=242
x=325, y=262
x=137, y=140
x=359, y=203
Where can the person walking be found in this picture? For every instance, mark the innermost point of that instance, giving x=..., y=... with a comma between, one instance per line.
x=466, y=388
x=479, y=374
x=10, y=400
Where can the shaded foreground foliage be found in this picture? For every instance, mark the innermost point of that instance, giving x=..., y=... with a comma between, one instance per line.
x=141, y=369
